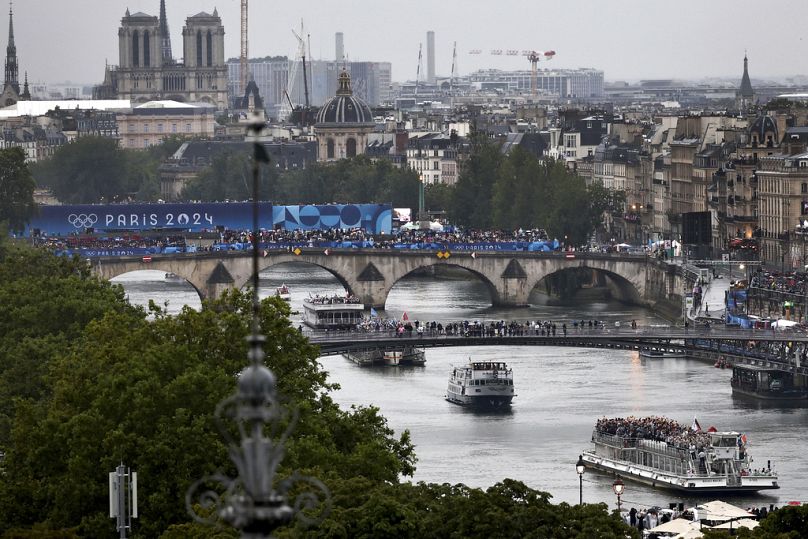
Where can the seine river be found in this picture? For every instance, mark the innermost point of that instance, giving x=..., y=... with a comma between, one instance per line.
x=561, y=392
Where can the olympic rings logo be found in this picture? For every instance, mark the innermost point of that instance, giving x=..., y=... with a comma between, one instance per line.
x=82, y=220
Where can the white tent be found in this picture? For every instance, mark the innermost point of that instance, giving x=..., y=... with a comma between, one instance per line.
x=783, y=324
x=676, y=526
x=718, y=511
x=742, y=523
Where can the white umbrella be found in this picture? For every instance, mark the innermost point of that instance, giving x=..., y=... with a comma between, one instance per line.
x=742, y=523
x=689, y=534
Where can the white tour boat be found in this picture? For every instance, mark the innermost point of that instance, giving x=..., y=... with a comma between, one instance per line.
x=481, y=384
x=679, y=458
x=332, y=312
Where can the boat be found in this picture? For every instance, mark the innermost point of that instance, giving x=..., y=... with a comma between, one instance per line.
x=767, y=383
x=484, y=384
x=365, y=358
x=654, y=353
x=332, y=312
x=170, y=276
x=665, y=454
x=410, y=355
x=283, y=293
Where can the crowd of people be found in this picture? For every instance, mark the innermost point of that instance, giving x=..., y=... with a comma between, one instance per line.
x=124, y=241
x=791, y=282
x=660, y=429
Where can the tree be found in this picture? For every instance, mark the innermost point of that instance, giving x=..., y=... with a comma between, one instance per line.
x=472, y=204
x=95, y=169
x=16, y=190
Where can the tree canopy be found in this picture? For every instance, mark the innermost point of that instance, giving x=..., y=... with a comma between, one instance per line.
x=519, y=190
x=357, y=180
x=95, y=169
x=16, y=190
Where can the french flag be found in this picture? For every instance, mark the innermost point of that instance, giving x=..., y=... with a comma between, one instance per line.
x=695, y=426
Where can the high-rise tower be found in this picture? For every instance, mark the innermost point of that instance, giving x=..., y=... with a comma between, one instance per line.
x=165, y=35
x=12, y=70
x=339, y=48
x=430, y=57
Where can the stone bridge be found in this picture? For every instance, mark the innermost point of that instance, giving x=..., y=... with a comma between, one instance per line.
x=370, y=274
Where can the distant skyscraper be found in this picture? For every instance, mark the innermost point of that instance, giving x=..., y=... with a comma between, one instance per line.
x=430, y=57
x=340, y=48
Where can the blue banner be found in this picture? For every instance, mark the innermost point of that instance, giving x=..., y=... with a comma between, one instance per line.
x=372, y=218
x=78, y=218
x=112, y=218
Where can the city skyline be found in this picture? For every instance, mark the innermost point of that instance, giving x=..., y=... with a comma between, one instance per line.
x=623, y=38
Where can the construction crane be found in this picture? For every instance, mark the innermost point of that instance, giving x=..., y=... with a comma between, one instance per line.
x=290, y=82
x=243, y=59
x=533, y=57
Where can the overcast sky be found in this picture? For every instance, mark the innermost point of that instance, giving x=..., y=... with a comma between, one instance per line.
x=61, y=40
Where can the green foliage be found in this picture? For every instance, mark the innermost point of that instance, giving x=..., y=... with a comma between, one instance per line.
x=105, y=386
x=506, y=510
x=521, y=191
x=438, y=196
x=95, y=169
x=472, y=204
x=358, y=180
x=16, y=189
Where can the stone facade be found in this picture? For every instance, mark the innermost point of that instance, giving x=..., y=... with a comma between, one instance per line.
x=146, y=73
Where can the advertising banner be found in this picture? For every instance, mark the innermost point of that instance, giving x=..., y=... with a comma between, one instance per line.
x=185, y=217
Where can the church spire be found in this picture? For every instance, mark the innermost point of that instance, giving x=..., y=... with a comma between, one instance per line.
x=746, y=90
x=165, y=35
x=11, y=54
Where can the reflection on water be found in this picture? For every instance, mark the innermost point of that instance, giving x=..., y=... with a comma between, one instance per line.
x=561, y=392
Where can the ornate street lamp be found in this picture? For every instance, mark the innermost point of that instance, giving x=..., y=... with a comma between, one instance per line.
x=255, y=426
x=580, y=467
x=618, y=487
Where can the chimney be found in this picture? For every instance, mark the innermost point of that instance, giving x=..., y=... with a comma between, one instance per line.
x=430, y=57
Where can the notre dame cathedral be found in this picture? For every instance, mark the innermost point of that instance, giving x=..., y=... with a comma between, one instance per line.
x=148, y=71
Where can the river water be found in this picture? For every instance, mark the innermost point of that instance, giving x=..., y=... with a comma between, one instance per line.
x=561, y=392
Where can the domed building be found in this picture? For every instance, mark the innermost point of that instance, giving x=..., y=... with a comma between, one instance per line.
x=763, y=132
x=343, y=124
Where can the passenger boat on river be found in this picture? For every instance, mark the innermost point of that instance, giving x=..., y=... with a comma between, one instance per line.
x=334, y=312
x=767, y=383
x=485, y=384
x=676, y=457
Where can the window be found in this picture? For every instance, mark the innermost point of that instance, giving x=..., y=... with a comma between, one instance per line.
x=135, y=49
x=146, y=50
x=159, y=128
x=173, y=128
x=145, y=128
x=350, y=146
x=187, y=128
x=145, y=143
x=804, y=188
x=199, y=47
x=210, y=48
x=329, y=151
x=435, y=166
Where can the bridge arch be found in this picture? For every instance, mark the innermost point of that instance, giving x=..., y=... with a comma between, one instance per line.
x=276, y=263
x=490, y=287
x=620, y=286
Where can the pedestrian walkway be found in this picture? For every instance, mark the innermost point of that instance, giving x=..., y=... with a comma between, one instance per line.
x=714, y=294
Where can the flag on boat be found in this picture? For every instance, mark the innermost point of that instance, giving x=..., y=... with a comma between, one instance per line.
x=404, y=317
x=696, y=427
x=743, y=439
x=373, y=313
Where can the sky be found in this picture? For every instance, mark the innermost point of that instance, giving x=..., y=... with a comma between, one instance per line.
x=69, y=40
